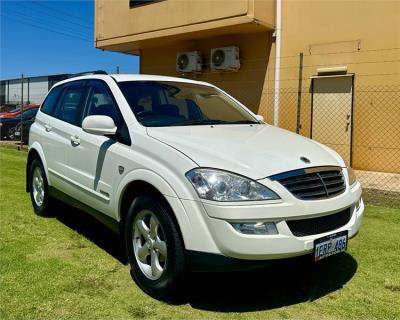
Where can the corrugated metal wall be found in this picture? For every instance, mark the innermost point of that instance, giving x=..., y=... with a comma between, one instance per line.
x=35, y=90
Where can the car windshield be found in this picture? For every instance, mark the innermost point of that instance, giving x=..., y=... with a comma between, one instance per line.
x=161, y=104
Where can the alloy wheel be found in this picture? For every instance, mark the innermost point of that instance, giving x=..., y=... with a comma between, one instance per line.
x=38, y=187
x=149, y=244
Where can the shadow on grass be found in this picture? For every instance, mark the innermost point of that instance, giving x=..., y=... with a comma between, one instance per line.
x=91, y=229
x=283, y=283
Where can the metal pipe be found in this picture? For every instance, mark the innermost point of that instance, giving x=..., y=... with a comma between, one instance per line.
x=277, y=59
x=299, y=88
x=22, y=108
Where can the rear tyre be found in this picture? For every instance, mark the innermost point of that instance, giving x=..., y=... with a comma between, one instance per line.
x=39, y=189
x=154, y=248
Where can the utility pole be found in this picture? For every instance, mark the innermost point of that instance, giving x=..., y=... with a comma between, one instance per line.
x=22, y=108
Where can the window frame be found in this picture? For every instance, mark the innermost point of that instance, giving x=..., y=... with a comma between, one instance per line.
x=123, y=132
x=141, y=3
x=61, y=87
x=81, y=104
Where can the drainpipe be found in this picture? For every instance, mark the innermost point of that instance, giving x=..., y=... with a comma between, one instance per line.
x=278, y=23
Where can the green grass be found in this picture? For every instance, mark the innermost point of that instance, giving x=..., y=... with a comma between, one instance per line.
x=71, y=267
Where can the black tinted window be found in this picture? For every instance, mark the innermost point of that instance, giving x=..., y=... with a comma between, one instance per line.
x=101, y=102
x=49, y=105
x=70, y=105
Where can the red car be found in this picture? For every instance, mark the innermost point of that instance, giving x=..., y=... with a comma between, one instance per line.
x=17, y=111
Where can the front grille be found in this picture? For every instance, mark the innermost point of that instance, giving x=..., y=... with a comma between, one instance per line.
x=313, y=183
x=307, y=227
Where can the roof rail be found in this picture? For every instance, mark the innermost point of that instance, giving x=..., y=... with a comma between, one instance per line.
x=87, y=73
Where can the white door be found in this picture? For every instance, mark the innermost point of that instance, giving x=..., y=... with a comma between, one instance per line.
x=92, y=160
x=61, y=102
x=332, y=113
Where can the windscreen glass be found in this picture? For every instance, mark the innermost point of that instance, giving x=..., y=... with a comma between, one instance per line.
x=160, y=104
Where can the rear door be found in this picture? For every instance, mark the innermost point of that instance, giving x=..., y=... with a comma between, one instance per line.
x=67, y=117
x=42, y=131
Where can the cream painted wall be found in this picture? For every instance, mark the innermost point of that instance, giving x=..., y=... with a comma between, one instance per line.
x=362, y=35
x=246, y=85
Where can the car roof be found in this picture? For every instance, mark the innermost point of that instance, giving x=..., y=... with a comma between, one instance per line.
x=134, y=77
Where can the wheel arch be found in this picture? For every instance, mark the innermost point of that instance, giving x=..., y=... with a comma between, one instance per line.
x=35, y=152
x=147, y=182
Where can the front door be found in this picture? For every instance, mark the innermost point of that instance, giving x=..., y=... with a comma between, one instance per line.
x=92, y=159
x=332, y=113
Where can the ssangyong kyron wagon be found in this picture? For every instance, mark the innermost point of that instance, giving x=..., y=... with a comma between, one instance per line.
x=190, y=178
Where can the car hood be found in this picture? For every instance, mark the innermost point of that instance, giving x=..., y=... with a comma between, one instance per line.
x=255, y=151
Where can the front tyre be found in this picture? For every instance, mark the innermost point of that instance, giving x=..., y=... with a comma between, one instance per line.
x=39, y=189
x=154, y=248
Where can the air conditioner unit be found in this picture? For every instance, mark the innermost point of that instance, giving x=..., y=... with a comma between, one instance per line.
x=225, y=59
x=189, y=61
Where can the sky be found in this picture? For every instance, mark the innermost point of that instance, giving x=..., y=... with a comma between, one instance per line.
x=50, y=37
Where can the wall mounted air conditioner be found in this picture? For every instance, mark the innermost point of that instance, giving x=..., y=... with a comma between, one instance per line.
x=189, y=62
x=225, y=59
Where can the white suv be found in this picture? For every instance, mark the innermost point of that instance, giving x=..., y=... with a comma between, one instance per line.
x=190, y=178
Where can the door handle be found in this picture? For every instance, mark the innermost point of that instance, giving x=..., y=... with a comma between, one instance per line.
x=47, y=127
x=75, y=141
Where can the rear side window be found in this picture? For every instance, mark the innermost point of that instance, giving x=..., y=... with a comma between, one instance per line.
x=49, y=105
x=70, y=104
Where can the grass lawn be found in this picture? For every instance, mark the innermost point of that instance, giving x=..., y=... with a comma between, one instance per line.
x=71, y=267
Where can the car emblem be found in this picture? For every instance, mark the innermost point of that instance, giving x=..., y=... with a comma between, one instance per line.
x=305, y=160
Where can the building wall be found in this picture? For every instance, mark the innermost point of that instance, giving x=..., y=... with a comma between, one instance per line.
x=364, y=36
x=246, y=85
x=35, y=90
x=137, y=27
x=38, y=88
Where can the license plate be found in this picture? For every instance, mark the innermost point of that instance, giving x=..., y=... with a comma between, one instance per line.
x=17, y=134
x=330, y=245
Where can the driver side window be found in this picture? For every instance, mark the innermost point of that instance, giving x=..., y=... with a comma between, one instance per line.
x=100, y=102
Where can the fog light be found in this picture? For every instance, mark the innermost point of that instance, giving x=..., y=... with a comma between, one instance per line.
x=358, y=204
x=256, y=227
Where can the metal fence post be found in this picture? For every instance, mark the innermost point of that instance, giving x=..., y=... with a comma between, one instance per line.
x=22, y=108
x=298, y=124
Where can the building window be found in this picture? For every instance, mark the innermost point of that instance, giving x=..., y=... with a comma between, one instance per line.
x=137, y=3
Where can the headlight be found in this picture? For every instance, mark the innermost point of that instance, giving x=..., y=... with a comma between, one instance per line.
x=220, y=185
x=352, y=176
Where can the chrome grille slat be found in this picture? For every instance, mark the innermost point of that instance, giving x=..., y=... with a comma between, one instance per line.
x=295, y=181
x=316, y=184
x=306, y=187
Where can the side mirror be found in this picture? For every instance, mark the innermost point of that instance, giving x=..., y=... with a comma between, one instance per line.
x=259, y=118
x=99, y=125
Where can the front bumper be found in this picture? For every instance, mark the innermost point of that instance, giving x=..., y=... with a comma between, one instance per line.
x=217, y=233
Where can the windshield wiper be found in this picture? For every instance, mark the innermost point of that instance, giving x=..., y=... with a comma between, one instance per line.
x=198, y=123
x=244, y=122
x=211, y=122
